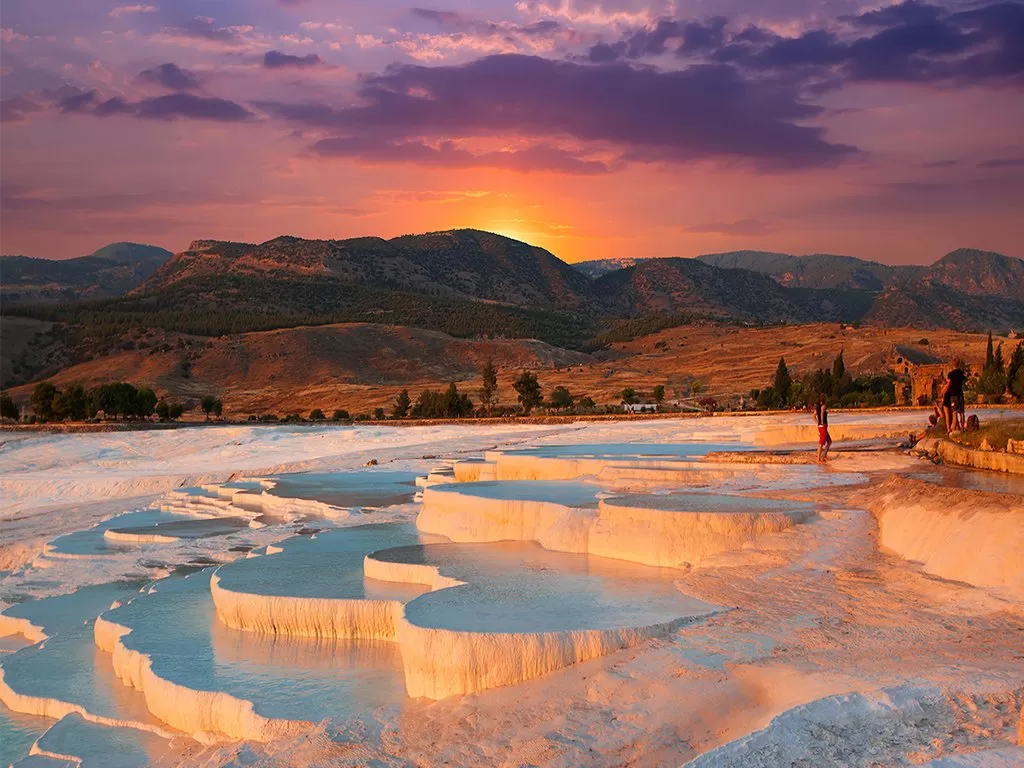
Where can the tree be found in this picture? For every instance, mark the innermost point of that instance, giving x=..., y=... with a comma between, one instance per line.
x=560, y=398
x=316, y=415
x=175, y=411
x=8, y=408
x=839, y=367
x=379, y=414
x=658, y=393
x=163, y=410
x=402, y=404
x=208, y=404
x=586, y=403
x=528, y=389
x=455, y=405
x=628, y=395
x=490, y=384
x=42, y=400
x=993, y=380
x=696, y=387
x=218, y=407
x=783, y=381
x=145, y=402
x=341, y=414
x=1015, y=372
x=116, y=400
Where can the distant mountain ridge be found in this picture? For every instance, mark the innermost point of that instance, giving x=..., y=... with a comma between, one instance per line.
x=470, y=283
x=108, y=272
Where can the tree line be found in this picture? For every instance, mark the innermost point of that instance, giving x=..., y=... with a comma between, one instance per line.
x=835, y=383
x=115, y=400
x=999, y=378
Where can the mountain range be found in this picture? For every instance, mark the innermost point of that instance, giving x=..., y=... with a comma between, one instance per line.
x=474, y=284
x=111, y=271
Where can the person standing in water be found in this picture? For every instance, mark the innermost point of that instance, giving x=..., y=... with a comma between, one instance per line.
x=953, y=398
x=824, y=438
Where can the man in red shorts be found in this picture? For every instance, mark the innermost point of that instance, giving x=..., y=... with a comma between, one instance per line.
x=824, y=438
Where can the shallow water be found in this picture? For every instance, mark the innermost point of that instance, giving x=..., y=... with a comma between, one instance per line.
x=377, y=488
x=709, y=502
x=67, y=665
x=329, y=564
x=631, y=450
x=569, y=493
x=18, y=732
x=102, y=745
x=284, y=677
x=522, y=587
x=91, y=541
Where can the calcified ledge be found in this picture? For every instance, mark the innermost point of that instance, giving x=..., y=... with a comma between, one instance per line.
x=964, y=456
x=207, y=716
x=964, y=535
x=665, y=531
x=340, y=618
x=437, y=662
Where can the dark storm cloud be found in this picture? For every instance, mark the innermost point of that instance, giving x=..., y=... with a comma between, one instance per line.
x=704, y=111
x=278, y=60
x=169, y=76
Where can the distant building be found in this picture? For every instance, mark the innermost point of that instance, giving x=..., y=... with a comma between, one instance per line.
x=920, y=375
x=640, y=407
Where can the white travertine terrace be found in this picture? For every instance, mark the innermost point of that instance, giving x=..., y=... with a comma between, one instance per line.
x=205, y=715
x=306, y=616
x=672, y=531
x=440, y=662
x=945, y=529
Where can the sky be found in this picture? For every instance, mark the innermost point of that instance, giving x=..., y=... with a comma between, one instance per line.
x=623, y=128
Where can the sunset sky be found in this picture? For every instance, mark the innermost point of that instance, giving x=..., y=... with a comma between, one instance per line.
x=594, y=129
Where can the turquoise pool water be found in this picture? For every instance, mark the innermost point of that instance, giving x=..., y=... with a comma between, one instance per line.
x=522, y=587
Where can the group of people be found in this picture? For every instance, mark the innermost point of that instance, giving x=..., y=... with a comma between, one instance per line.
x=951, y=412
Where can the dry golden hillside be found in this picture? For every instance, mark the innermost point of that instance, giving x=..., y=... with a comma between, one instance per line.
x=361, y=366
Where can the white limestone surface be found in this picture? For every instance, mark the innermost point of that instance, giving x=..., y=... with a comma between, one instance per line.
x=675, y=530
x=965, y=535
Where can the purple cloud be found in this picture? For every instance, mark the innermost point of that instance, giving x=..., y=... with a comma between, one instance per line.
x=908, y=42
x=449, y=155
x=278, y=60
x=169, y=107
x=169, y=76
x=707, y=111
x=1003, y=162
x=16, y=108
x=78, y=102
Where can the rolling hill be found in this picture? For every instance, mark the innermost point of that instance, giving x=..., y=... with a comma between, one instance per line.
x=467, y=284
x=111, y=271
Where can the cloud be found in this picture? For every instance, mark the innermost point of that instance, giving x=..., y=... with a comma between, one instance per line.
x=701, y=112
x=278, y=60
x=1003, y=162
x=130, y=10
x=169, y=107
x=202, y=33
x=169, y=76
x=448, y=154
x=78, y=102
x=16, y=108
x=908, y=42
x=741, y=228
